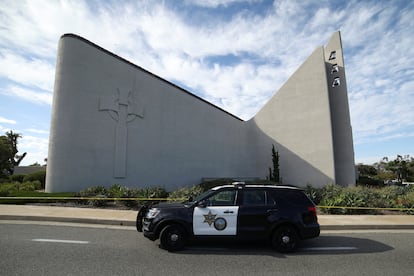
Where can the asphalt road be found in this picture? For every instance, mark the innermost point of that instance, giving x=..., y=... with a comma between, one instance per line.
x=60, y=249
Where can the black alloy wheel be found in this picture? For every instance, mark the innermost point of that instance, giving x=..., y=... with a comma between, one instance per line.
x=140, y=217
x=285, y=239
x=173, y=237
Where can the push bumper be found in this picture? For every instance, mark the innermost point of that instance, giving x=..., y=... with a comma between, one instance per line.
x=150, y=235
x=149, y=230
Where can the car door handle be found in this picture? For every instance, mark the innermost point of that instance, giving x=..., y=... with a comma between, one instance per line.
x=228, y=212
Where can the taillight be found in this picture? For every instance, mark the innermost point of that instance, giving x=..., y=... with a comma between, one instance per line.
x=312, y=209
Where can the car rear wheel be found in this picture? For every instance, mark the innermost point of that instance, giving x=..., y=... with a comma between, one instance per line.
x=285, y=239
x=173, y=237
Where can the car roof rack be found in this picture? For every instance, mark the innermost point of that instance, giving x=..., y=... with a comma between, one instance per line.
x=239, y=184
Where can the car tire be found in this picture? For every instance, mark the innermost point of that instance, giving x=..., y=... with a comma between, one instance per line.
x=285, y=239
x=140, y=217
x=173, y=237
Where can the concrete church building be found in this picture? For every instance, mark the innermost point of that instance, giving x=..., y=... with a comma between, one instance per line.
x=116, y=123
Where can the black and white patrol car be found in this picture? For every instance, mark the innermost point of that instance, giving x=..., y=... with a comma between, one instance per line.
x=282, y=215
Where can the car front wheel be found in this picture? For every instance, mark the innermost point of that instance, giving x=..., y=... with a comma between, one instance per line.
x=140, y=217
x=173, y=237
x=285, y=239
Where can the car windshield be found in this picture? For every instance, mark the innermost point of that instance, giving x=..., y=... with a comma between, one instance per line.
x=201, y=196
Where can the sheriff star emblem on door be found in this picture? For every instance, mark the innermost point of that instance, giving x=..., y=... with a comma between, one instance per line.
x=209, y=218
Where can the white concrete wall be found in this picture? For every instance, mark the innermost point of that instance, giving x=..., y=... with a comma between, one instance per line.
x=175, y=140
x=297, y=120
x=113, y=122
x=341, y=122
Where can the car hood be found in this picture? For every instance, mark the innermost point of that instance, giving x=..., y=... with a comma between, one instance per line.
x=169, y=205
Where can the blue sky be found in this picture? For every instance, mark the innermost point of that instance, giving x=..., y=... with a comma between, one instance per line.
x=235, y=54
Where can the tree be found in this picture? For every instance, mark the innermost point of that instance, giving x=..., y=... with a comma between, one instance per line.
x=399, y=167
x=8, y=153
x=5, y=153
x=274, y=175
x=367, y=170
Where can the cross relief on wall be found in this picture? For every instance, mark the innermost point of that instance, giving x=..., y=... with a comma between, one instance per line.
x=123, y=109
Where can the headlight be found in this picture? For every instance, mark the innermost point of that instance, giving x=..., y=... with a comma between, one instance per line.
x=152, y=213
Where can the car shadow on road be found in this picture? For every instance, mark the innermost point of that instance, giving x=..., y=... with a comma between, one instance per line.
x=335, y=244
x=323, y=245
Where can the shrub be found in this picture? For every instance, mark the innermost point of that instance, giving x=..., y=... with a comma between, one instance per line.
x=131, y=193
x=369, y=181
x=10, y=187
x=152, y=192
x=187, y=192
x=117, y=191
x=30, y=186
x=17, y=177
x=361, y=196
x=40, y=176
x=93, y=191
x=315, y=194
x=406, y=201
x=6, y=188
x=334, y=195
x=97, y=192
x=409, y=202
x=355, y=197
x=155, y=192
x=330, y=194
x=388, y=196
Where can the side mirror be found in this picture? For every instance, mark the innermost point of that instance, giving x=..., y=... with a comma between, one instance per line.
x=202, y=204
x=190, y=199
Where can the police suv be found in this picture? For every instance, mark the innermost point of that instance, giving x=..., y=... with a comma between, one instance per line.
x=280, y=214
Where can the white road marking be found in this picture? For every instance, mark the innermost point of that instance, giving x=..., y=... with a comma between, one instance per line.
x=329, y=248
x=60, y=241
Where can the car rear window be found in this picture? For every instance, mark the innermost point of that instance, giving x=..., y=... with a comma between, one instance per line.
x=290, y=197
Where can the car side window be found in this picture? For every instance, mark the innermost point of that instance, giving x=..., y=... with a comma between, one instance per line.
x=222, y=198
x=288, y=198
x=254, y=198
x=274, y=198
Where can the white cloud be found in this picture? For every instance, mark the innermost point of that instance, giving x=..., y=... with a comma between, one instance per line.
x=378, y=46
x=382, y=116
x=29, y=72
x=28, y=95
x=35, y=26
x=7, y=121
x=35, y=147
x=3, y=130
x=37, y=131
x=217, y=3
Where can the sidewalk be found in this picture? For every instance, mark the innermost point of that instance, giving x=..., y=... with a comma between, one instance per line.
x=127, y=217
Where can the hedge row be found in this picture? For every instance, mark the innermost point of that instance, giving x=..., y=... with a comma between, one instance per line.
x=328, y=196
x=22, y=178
x=118, y=191
x=361, y=196
x=10, y=188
